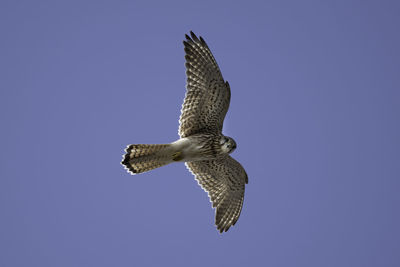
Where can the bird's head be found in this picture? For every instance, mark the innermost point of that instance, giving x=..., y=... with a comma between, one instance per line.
x=228, y=145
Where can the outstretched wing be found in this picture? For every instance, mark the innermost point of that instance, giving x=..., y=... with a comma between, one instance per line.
x=224, y=181
x=207, y=94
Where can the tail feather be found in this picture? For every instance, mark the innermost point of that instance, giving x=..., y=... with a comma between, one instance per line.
x=142, y=158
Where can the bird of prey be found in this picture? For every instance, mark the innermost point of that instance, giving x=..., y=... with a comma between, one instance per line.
x=202, y=146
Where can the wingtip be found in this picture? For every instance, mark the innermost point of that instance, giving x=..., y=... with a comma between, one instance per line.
x=223, y=229
x=194, y=37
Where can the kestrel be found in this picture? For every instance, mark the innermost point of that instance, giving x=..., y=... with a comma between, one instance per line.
x=202, y=146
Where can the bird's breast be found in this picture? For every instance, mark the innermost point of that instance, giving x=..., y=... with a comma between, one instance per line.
x=198, y=147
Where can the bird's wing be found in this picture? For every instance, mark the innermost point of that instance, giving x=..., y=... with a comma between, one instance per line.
x=224, y=180
x=207, y=94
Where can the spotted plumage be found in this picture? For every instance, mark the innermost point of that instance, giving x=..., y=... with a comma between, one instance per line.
x=202, y=146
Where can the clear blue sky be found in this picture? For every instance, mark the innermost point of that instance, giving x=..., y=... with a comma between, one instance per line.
x=315, y=113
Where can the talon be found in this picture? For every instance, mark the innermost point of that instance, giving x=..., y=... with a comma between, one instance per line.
x=177, y=156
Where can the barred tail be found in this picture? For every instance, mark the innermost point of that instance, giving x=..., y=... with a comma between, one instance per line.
x=142, y=158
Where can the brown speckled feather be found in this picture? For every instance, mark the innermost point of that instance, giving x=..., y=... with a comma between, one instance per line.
x=207, y=94
x=142, y=158
x=224, y=180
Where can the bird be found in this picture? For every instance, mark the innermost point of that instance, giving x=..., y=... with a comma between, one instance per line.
x=201, y=146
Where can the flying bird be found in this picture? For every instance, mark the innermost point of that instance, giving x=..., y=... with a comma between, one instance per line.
x=202, y=146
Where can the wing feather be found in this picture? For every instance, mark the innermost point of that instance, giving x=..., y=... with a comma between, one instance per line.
x=224, y=180
x=207, y=94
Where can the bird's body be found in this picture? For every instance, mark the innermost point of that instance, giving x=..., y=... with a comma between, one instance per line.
x=202, y=146
x=198, y=147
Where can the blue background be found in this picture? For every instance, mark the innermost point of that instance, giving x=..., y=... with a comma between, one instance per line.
x=314, y=111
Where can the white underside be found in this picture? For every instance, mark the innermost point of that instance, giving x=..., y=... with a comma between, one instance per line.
x=189, y=148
